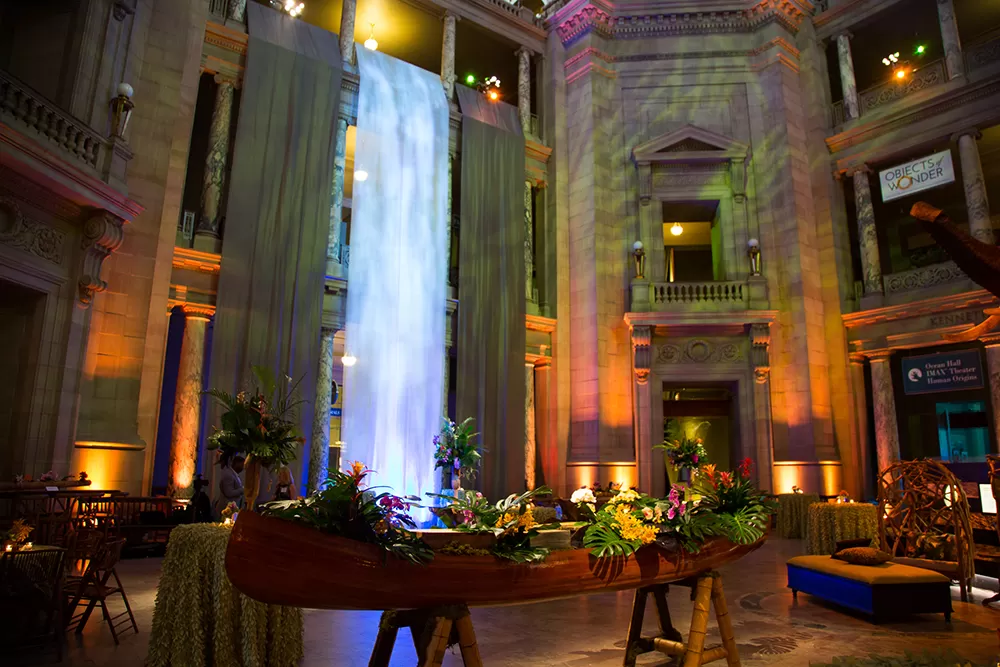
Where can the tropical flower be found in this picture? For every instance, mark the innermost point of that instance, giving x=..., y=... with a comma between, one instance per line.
x=583, y=495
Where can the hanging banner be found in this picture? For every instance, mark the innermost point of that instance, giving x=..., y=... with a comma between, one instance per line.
x=947, y=371
x=917, y=176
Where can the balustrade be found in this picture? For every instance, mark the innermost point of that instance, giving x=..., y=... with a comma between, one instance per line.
x=719, y=294
x=982, y=53
x=925, y=276
x=50, y=124
x=927, y=76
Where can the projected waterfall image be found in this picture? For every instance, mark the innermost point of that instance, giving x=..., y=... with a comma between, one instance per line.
x=396, y=281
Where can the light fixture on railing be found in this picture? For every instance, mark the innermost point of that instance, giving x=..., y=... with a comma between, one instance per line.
x=639, y=255
x=121, y=110
x=360, y=175
x=753, y=252
x=371, y=43
x=676, y=229
x=294, y=8
x=348, y=360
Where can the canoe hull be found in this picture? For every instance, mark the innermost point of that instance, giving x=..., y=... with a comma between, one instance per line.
x=281, y=562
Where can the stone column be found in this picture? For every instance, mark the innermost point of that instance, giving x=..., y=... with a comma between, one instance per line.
x=760, y=340
x=524, y=88
x=319, y=446
x=642, y=358
x=976, y=203
x=867, y=236
x=847, y=82
x=529, y=245
x=237, y=10
x=347, y=18
x=992, y=343
x=187, y=403
x=886, y=431
x=530, y=447
x=949, y=39
x=447, y=380
x=208, y=236
x=860, y=401
x=333, y=250
x=448, y=55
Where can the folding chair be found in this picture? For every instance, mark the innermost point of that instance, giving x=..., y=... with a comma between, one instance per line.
x=95, y=588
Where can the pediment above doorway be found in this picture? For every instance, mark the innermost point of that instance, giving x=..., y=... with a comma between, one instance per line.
x=689, y=145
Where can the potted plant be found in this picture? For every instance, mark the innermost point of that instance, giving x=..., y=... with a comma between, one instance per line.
x=456, y=453
x=684, y=453
x=259, y=423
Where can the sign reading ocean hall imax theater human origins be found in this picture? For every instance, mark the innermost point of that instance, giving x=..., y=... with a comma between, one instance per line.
x=916, y=176
x=947, y=371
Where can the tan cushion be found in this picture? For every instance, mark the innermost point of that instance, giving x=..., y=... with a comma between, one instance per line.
x=863, y=556
x=873, y=575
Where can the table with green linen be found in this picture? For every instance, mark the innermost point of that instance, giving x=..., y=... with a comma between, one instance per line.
x=200, y=620
x=793, y=514
x=830, y=523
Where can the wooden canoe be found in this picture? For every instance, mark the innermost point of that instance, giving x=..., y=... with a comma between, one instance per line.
x=281, y=562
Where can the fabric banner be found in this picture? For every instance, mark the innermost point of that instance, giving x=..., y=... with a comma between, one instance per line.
x=491, y=336
x=270, y=298
x=474, y=104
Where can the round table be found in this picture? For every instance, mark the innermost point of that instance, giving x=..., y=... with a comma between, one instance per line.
x=201, y=620
x=793, y=510
x=830, y=523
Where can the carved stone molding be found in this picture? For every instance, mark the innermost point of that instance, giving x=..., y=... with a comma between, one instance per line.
x=762, y=374
x=122, y=8
x=701, y=351
x=27, y=235
x=927, y=276
x=103, y=233
x=642, y=337
x=760, y=341
x=202, y=311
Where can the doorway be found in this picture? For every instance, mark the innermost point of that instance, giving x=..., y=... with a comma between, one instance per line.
x=20, y=320
x=706, y=412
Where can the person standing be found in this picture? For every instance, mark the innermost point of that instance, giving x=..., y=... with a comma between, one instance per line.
x=230, y=483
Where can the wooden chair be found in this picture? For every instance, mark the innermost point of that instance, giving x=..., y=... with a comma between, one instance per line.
x=31, y=596
x=95, y=588
x=921, y=505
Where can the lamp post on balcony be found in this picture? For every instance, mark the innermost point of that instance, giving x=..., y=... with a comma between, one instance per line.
x=640, y=260
x=121, y=110
x=640, y=286
x=753, y=252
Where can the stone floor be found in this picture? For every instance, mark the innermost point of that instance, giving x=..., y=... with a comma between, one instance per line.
x=770, y=627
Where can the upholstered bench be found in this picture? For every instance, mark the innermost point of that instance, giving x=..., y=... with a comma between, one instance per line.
x=880, y=591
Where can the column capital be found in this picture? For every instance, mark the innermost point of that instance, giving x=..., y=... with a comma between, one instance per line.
x=450, y=15
x=878, y=356
x=227, y=79
x=523, y=51
x=860, y=169
x=198, y=311
x=968, y=132
x=991, y=339
x=762, y=374
x=846, y=34
x=857, y=359
x=642, y=337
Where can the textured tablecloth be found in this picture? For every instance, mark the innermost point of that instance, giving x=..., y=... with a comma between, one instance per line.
x=200, y=620
x=830, y=523
x=793, y=514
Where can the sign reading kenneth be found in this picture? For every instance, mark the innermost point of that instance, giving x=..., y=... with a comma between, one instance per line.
x=947, y=371
x=917, y=176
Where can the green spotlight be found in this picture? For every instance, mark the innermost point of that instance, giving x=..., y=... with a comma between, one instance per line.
x=470, y=79
x=920, y=49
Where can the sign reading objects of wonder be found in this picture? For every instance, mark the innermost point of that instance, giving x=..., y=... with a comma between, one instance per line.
x=917, y=176
x=946, y=371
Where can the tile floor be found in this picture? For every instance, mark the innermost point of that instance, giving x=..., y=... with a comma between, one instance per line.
x=770, y=627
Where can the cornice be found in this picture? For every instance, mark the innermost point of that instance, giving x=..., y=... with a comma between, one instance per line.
x=539, y=323
x=932, y=306
x=707, y=320
x=225, y=38
x=189, y=259
x=847, y=13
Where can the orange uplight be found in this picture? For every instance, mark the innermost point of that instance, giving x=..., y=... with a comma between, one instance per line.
x=494, y=96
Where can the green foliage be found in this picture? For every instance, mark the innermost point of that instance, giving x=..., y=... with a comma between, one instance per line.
x=345, y=507
x=742, y=511
x=947, y=659
x=683, y=452
x=604, y=541
x=259, y=422
x=455, y=448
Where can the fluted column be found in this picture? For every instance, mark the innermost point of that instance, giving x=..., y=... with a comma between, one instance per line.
x=447, y=380
x=976, y=203
x=949, y=39
x=642, y=357
x=760, y=340
x=529, y=245
x=530, y=446
x=333, y=250
x=208, y=235
x=347, y=18
x=448, y=55
x=884, y=399
x=867, y=235
x=319, y=445
x=860, y=404
x=187, y=403
x=237, y=10
x=524, y=88
x=992, y=343
x=847, y=82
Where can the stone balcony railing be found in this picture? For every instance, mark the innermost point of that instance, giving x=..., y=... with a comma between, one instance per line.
x=709, y=296
x=983, y=52
x=931, y=74
x=38, y=118
x=922, y=278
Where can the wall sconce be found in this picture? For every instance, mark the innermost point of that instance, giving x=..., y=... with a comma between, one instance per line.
x=371, y=43
x=348, y=360
x=121, y=110
x=753, y=252
x=640, y=260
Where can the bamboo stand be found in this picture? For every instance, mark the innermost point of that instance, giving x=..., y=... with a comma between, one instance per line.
x=433, y=630
x=706, y=592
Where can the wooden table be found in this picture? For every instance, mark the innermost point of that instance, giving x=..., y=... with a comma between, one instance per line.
x=793, y=514
x=830, y=523
x=200, y=620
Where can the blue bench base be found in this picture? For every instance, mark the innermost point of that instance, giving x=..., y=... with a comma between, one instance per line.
x=879, y=601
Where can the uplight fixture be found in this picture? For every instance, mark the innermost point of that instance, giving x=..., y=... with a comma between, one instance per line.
x=920, y=49
x=371, y=43
x=470, y=79
x=360, y=175
x=901, y=74
x=348, y=360
x=676, y=229
x=493, y=95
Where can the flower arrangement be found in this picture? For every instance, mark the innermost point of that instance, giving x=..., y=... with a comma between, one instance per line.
x=346, y=506
x=49, y=476
x=511, y=520
x=741, y=509
x=685, y=453
x=19, y=532
x=584, y=498
x=455, y=449
x=229, y=512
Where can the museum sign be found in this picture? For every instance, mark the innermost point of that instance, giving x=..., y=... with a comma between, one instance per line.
x=946, y=371
x=917, y=176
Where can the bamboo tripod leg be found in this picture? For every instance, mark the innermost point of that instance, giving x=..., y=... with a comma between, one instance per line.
x=386, y=639
x=635, y=627
x=725, y=623
x=467, y=642
x=699, y=622
x=438, y=643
